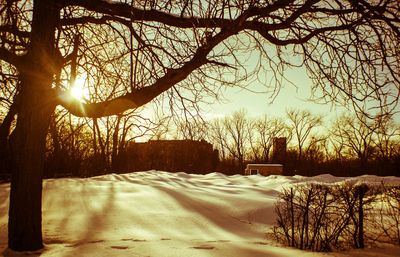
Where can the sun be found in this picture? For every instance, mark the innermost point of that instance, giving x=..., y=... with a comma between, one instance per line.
x=79, y=90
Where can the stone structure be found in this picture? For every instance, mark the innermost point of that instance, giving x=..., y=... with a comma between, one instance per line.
x=279, y=150
x=169, y=155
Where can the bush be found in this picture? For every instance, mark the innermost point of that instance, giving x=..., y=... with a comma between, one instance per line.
x=323, y=217
x=386, y=225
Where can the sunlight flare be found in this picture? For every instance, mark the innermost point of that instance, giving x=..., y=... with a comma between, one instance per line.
x=79, y=90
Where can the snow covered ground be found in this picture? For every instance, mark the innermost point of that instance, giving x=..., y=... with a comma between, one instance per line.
x=159, y=214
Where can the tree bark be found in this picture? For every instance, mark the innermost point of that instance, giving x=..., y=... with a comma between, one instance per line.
x=36, y=104
x=25, y=220
x=362, y=189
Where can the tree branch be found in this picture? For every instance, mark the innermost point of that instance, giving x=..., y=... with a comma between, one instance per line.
x=9, y=57
x=86, y=20
x=136, y=14
x=141, y=96
x=304, y=39
x=14, y=31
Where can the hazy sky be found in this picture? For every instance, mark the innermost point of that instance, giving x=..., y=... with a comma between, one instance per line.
x=290, y=97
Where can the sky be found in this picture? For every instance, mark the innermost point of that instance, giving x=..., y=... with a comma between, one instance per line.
x=289, y=97
x=260, y=103
x=295, y=93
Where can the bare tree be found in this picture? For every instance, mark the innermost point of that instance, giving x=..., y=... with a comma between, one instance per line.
x=192, y=129
x=336, y=142
x=133, y=51
x=237, y=134
x=323, y=217
x=302, y=124
x=128, y=127
x=217, y=136
x=387, y=137
x=268, y=129
x=316, y=148
x=357, y=135
x=68, y=144
x=112, y=134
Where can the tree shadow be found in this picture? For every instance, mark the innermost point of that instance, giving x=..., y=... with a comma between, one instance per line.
x=85, y=220
x=225, y=222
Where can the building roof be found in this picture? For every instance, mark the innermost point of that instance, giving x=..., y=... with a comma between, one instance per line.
x=263, y=165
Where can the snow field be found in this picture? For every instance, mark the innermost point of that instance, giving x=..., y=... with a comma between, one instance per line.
x=156, y=213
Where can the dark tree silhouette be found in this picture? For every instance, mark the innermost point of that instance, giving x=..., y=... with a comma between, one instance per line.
x=357, y=135
x=133, y=51
x=237, y=133
x=302, y=123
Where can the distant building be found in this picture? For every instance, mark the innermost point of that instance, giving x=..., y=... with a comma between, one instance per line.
x=279, y=150
x=278, y=159
x=169, y=155
x=264, y=169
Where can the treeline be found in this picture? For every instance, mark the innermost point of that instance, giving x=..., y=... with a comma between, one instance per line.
x=347, y=146
x=81, y=147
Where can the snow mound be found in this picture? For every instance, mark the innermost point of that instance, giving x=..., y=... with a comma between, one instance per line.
x=157, y=213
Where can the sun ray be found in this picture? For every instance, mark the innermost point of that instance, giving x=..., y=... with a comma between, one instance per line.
x=79, y=90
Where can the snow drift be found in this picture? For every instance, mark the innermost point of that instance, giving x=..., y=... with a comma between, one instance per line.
x=158, y=214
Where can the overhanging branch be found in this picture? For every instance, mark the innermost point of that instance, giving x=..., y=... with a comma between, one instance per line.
x=112, y=9
x=14, y=31
x=86, y=20
x=9, y=57
x=134, y=14
x=130, y=100
x=141, y=96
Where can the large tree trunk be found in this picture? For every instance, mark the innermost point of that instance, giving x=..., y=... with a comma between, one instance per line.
x=36, y=104
x=25, y=220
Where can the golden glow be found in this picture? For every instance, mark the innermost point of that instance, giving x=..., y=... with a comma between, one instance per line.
x=79, y=90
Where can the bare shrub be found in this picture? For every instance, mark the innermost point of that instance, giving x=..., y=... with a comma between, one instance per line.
x=356, y=201
x=303, y=217
x=387, y=218
x=321, y=217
